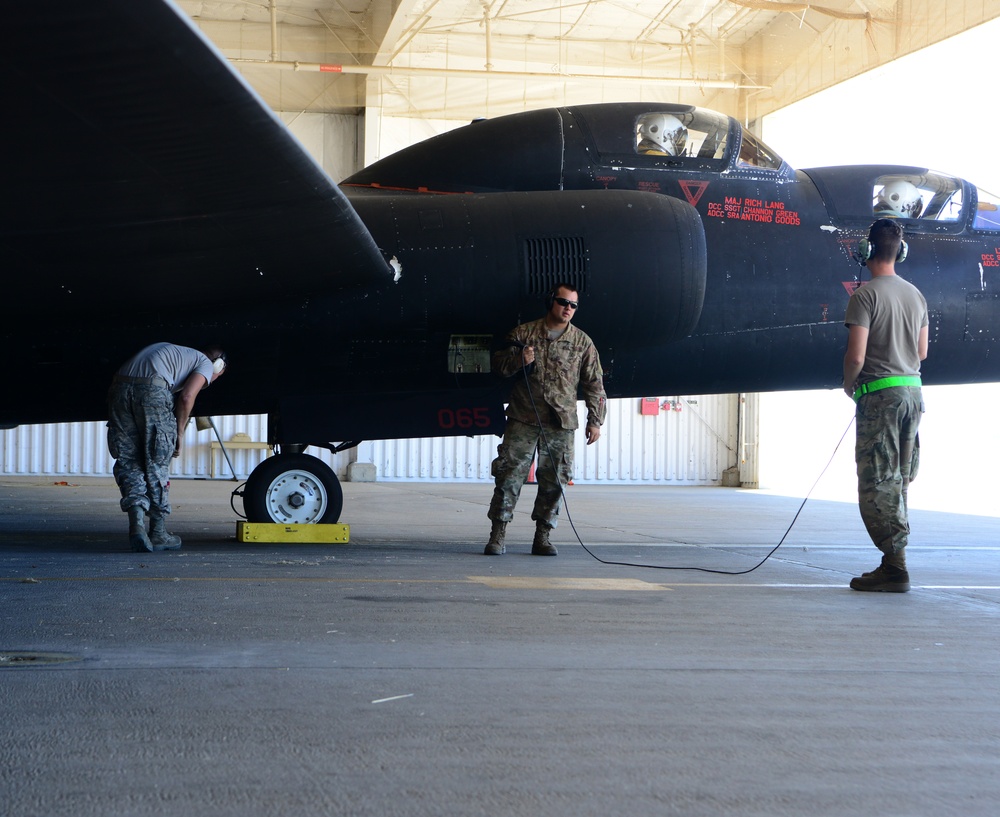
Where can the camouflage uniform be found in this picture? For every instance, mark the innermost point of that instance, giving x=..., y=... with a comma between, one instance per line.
x=142, y=425
x=887, y=452
x=887, y=449
x=142, y=436
x=561, y=367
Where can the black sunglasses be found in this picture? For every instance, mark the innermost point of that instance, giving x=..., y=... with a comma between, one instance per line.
x=566, y=302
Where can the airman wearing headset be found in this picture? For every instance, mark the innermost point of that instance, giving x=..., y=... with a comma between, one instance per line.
x=887, y=339
x=149, y=404
x=550, y=360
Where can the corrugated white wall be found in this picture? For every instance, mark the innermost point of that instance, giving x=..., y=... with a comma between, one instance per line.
x=749, y=441
x=690, y=441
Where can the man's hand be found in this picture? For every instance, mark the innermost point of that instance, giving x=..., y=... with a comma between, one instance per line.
x=593, y=434
x=528, y=355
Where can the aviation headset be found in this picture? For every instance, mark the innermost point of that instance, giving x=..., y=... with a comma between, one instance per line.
x=219, y=364
x=866, y=248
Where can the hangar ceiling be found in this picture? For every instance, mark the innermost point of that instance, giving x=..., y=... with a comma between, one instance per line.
x=459, y=59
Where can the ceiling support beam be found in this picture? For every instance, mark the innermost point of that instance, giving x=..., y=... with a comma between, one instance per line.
x=413, y=71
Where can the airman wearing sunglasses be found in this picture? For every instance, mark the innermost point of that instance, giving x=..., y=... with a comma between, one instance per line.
x=551, y=361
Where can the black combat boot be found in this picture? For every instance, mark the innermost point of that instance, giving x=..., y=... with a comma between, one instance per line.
x=889, y=577
x=540, y=545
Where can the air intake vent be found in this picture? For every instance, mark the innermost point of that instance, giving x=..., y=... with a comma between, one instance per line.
x=555, y=260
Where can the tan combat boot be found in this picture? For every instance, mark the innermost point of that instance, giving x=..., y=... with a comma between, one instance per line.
x=495, y=547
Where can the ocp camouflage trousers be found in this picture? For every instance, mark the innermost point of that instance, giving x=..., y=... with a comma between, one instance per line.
x=510, y=470
x=142, y=436
x=887, y=453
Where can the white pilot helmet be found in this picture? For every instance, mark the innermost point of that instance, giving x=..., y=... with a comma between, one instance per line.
x=900, y=198
x=666, y=131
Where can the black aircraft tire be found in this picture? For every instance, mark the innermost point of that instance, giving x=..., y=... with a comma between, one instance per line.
x=296, y=489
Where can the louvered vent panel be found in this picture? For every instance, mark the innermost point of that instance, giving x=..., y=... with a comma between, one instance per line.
x=553, y=260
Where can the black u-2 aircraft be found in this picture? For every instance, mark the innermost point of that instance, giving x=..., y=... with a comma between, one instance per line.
x=149, y=195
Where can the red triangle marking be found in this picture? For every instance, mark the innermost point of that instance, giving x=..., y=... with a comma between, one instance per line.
x=693, y=191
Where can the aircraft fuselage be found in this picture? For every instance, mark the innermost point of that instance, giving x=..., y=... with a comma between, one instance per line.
x=782, y=244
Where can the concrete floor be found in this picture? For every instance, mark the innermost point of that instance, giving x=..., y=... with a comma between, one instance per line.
x=406, y=674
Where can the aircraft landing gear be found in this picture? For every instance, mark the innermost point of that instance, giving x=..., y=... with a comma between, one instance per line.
x=296, y=489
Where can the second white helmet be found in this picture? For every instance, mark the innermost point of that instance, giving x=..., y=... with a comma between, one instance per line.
x=900, y=198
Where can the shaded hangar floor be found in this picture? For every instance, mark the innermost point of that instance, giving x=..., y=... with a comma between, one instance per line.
x=406, y=674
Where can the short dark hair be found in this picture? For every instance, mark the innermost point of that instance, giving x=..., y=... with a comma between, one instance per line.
x=885, y=236
x=564, y=285
x=215, y=353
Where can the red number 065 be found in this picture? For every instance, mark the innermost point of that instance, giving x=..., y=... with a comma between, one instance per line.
x=464, y=418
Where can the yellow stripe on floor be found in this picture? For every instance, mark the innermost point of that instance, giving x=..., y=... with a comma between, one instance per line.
x=550, y=583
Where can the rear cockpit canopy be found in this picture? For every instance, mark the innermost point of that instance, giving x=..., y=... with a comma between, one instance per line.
x=928, y=195
x=924, y=200
x=987, y=212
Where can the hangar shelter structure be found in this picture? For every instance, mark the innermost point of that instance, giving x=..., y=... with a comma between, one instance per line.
x=455, y=61
x=357, y=81
x=689, y=440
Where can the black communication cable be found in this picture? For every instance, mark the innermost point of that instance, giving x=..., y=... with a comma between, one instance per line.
x=569, y=517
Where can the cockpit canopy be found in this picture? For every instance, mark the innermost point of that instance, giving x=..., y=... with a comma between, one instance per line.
x=699, y=134
x=925, y=200
x=927, y=195
x=563, y=148
x=932, y=197
x=674, y=137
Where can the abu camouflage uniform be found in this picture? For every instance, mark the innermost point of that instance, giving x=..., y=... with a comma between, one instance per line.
x=142, y=436
x=142, y=425
x=542, y=415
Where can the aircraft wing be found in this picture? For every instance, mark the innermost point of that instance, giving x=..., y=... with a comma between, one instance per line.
x=142, y=173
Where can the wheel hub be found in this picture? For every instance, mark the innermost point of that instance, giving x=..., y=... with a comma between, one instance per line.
x=293, y=489
x=296, y=497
